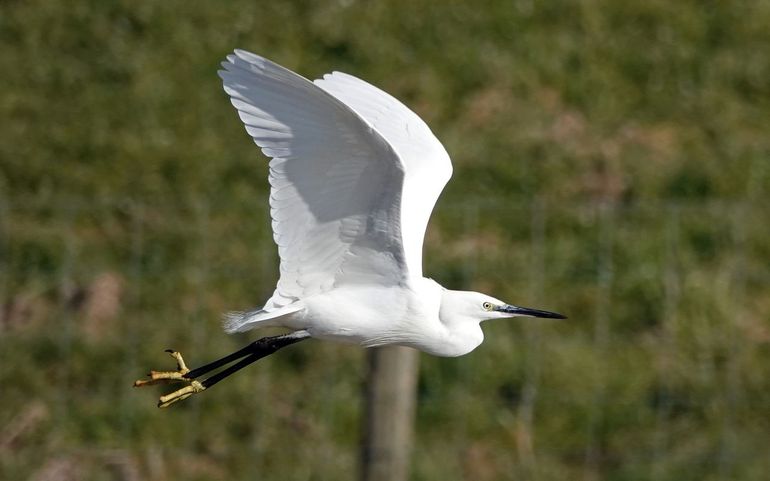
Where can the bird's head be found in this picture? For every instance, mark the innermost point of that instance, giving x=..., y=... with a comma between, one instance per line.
x=462, y=312
x=464, y=306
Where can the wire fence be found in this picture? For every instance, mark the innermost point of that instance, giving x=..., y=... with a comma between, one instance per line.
x=660, y=373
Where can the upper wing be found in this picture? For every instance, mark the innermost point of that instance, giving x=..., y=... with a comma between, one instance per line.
x=336, y=184
x=425, y=160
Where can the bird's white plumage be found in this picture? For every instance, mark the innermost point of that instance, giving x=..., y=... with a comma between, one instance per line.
x=426, y=162
x=354, y=176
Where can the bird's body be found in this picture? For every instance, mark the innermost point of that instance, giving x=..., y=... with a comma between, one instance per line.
x=369, y=315
x=354, y=177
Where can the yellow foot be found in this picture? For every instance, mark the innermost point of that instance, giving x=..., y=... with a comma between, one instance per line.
x=167, y=377
x=179, y=395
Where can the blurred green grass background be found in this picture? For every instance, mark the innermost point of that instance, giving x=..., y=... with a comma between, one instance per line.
x=611, y=162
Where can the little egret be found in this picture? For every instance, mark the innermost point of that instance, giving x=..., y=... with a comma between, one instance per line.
x=354, y=176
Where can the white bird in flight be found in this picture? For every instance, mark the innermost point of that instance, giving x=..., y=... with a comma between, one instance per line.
x=354, y=176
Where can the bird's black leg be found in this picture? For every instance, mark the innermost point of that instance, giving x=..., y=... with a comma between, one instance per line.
x=246, y=351
x=249, y=354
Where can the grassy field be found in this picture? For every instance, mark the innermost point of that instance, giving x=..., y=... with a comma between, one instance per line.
x=612, y=162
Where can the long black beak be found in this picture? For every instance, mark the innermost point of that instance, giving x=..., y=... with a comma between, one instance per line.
x=526, y=311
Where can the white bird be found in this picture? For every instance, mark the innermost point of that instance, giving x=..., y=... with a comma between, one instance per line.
x=354, y=177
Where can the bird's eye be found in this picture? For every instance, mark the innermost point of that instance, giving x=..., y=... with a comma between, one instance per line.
x=487, y=306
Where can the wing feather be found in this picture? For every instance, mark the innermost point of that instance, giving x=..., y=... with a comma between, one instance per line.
x=336, y=183
x=426, y=162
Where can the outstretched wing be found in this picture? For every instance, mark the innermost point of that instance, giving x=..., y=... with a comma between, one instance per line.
x=336, y=184
x=426, y=162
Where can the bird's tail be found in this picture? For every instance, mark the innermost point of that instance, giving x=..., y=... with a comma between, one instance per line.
x=235, y=321
x=242, y=321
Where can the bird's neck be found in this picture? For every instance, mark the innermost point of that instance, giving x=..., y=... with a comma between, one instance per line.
x=428, y=332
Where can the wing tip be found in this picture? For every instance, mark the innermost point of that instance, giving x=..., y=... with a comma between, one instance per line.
x=247, y=56
x=243, y=56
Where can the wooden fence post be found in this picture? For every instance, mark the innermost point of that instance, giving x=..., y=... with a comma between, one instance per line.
x=389, y=413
